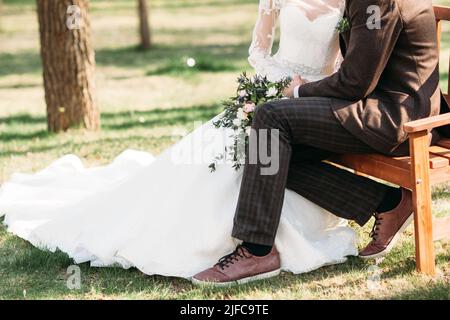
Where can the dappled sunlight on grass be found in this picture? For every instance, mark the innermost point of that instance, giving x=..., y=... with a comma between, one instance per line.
x=42, y=275
x=27, y=146
x=146, y=99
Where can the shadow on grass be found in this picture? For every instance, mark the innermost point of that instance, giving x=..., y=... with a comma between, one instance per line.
x=9, y=136
x=20, y=63
x=24, y=127
x=23, y=119
x=160, y=60
x=68, y=147
x=432, y=291
x=178, y=67
x=158, y=117
x=43, y=274
x=212, y=56
x=114, y=120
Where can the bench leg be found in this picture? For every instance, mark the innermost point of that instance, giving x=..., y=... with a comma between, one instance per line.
x=423, y=220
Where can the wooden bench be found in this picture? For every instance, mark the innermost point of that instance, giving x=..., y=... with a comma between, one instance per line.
x=425, y=167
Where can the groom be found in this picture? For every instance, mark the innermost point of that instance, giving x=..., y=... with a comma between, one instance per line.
x=389, y=76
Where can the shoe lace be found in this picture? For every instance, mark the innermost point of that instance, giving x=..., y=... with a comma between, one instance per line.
x=376, y=226
x=225, y=261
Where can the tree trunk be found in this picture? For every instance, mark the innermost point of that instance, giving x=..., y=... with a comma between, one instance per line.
x=144, y=27
x=1, y=13
x=68, y=61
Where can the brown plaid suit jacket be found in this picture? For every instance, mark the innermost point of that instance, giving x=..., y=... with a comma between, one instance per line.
x=389, y=76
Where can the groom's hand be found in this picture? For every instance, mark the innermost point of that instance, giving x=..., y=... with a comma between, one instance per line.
x=296, y=82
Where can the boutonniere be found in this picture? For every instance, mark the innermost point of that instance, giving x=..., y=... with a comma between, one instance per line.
x=343, y=25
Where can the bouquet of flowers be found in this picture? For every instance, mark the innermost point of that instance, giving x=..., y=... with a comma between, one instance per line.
x=238, y=113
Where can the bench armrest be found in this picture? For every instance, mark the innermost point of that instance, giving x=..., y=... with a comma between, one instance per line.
x=427, y=123
x=441, y=12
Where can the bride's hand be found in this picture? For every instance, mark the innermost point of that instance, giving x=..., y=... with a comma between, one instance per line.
x=296, y=81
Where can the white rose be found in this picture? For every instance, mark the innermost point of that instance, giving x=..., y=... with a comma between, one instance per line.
x=241, y=114
x=272, y=92
x=242, y=93
x=237, y=122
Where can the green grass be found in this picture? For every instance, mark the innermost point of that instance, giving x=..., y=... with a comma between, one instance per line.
x=42, y=275
x=146, y=99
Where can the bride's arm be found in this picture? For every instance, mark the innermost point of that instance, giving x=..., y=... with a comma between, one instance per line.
x=338, y=62
x=260, y=52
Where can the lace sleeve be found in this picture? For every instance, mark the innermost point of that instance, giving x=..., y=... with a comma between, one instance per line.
x=260, y=52
x=342, y=6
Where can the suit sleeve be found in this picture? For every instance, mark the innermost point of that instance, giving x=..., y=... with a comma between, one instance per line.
x=367, y=54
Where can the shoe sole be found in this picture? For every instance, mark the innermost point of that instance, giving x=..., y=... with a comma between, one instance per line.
x=261, y=276
x=394, y=240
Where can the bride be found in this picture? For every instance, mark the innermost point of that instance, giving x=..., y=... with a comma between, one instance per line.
x=172, y=216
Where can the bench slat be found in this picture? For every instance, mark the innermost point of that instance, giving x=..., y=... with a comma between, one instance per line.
x=436, y=160
x=396, y=170
x=373, y=166
x=440, y=151
x=401, y=162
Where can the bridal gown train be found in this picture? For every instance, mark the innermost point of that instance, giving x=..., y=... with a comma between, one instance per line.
x=170, y=216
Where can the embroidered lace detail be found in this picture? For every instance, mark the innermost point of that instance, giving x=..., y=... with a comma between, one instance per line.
x=342, y=6
x=267, y=6
x=313, y=40
x=301, y=69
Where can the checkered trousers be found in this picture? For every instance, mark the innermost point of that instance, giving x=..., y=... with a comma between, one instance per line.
x=308, y=134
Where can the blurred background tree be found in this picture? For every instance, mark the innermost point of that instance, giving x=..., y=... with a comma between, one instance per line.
x=68, y=62
x=144, y=26
x=1, y=12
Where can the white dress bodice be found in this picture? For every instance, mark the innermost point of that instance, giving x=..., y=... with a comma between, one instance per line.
x=308, y=45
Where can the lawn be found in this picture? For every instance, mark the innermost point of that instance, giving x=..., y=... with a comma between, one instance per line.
x=145, y=99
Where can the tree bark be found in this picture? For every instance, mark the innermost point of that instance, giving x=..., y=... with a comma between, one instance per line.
x=1, y=13
x=144, y=26
x=68, y=61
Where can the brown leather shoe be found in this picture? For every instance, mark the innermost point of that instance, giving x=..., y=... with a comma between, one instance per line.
x=388, y=227
x=240, y=267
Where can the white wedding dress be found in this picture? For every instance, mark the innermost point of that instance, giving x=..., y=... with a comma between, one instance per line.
x=170, y=215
